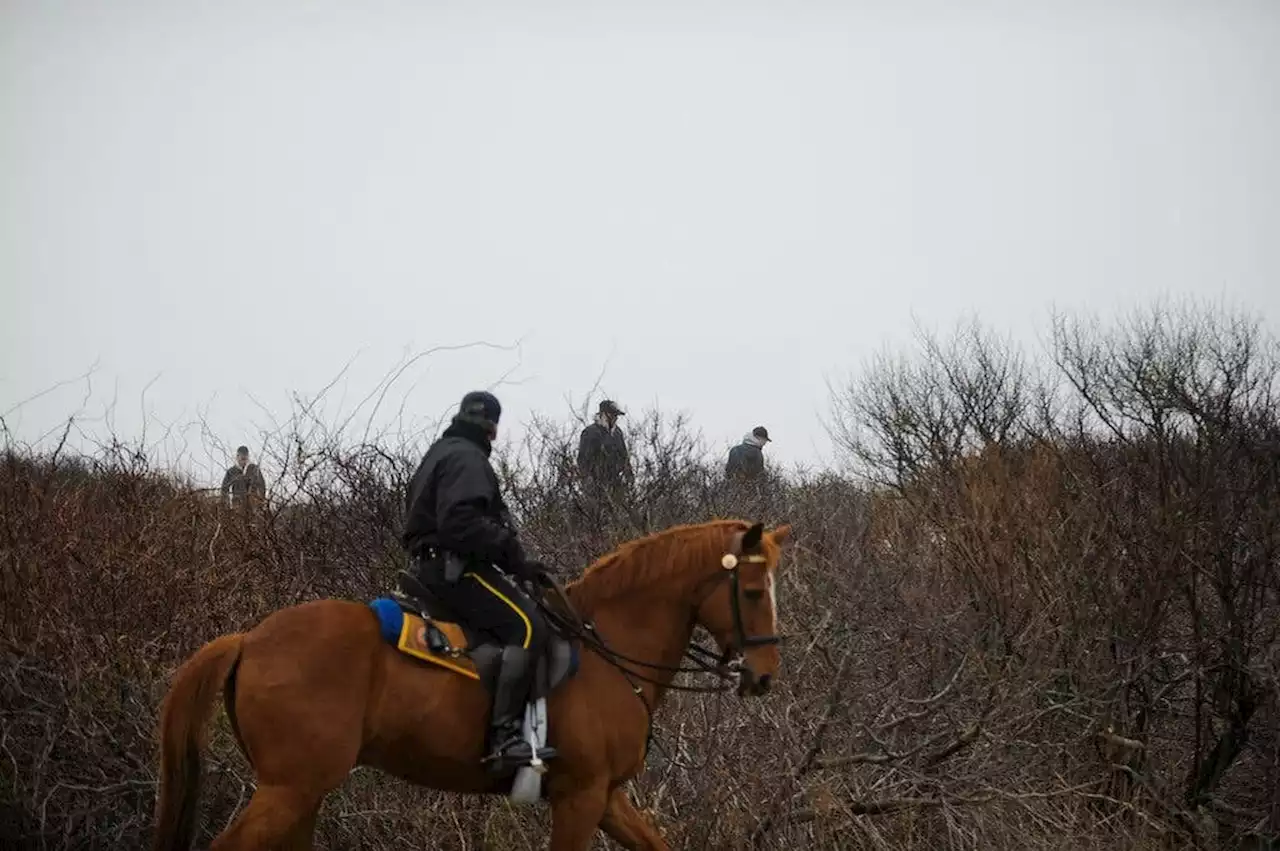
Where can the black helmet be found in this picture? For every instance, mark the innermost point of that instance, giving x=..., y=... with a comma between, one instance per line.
x=481, y=405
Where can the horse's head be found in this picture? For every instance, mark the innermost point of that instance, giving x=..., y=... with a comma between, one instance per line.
x=740, y=609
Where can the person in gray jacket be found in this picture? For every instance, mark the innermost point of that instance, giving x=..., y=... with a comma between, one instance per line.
x=746, y=460
x=243, y=481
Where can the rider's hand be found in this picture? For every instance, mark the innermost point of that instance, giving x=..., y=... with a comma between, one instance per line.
x=537, y=573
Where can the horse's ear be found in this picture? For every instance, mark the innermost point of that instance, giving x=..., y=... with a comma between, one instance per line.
x=748, y=540
x=781, y=534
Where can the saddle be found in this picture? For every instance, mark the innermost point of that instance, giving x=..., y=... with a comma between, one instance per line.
x=422, y=625
x=445, y=633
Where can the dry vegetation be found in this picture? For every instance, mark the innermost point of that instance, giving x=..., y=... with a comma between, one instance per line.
x=1045, y=616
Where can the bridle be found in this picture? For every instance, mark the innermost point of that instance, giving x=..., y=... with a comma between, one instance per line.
x=742, y=641
x=727, y=666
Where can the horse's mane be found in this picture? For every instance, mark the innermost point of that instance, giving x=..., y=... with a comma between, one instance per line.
x=668, y=557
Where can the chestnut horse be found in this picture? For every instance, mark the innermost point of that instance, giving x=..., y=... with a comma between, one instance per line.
x=314, y=690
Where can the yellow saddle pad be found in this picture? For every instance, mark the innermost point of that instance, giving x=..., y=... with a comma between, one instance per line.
x=415, y=640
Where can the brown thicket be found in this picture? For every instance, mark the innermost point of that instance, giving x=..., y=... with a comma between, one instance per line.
x=1044, y=613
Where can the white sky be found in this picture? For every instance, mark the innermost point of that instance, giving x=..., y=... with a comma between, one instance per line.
x=719, y=205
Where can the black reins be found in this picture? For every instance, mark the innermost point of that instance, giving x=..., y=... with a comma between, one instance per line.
x=704, y=661
x=724, y=666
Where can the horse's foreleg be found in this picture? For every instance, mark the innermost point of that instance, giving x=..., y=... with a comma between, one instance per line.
x=575, y=817
x=626, y=826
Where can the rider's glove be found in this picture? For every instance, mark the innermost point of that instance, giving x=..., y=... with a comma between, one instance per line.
x=536, y=572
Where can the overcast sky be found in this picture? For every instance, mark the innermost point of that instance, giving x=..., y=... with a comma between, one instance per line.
x=717, y=205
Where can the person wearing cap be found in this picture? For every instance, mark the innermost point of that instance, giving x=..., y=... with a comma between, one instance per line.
x=746, y=460
x=242, y=480
x=463, y=546
x=602, y=448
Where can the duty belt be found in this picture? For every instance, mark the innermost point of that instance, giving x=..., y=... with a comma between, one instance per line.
x=454, y=566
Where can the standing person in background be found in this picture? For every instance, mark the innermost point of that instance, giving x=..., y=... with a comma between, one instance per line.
x=602, y=451
x=746, y=460
x=243, y=481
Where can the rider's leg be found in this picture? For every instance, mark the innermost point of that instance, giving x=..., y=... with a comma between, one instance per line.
x=486, y=600
x=523, y=644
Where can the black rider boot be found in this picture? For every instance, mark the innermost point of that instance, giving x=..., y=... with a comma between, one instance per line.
x=508, y=748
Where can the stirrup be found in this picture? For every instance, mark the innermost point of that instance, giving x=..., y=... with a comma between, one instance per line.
x=501, y=757
x=509, y=754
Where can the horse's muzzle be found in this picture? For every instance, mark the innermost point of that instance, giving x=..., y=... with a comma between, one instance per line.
x=751, y=685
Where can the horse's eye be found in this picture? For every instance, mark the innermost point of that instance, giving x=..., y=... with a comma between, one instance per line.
x=754, y=594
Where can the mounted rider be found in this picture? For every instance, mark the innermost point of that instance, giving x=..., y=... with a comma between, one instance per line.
x=464, y=548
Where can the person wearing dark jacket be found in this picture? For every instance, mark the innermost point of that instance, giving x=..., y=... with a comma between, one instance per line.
x=243, y=481
x=746, y=460
x=465, y=549
x=602, y=449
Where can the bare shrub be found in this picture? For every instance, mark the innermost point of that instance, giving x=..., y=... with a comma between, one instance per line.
x=1043, y=616
x=1110, y=527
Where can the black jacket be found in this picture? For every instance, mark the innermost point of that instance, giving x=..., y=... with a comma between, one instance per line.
x=602, y=454
x=454, y=504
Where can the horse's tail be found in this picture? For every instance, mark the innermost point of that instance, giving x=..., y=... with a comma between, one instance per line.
x=183, y=718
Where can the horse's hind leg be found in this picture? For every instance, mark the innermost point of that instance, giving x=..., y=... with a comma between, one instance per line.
x=303, y=836
x=277, y=817
x=300, y=696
